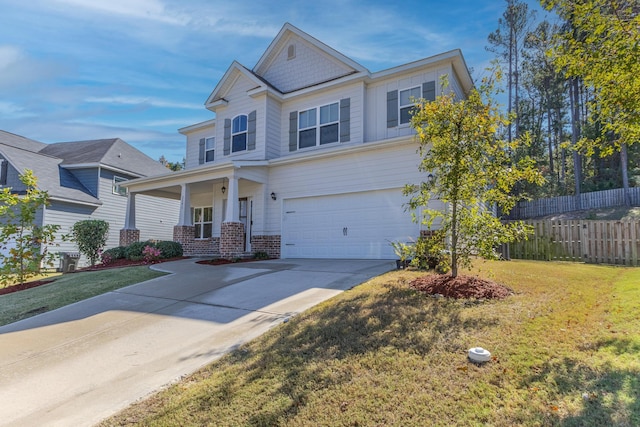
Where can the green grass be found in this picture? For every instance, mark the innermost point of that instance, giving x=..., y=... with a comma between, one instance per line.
x=565, y=350
x=67, y=289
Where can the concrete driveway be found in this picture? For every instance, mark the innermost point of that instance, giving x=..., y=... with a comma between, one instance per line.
x=82, y=363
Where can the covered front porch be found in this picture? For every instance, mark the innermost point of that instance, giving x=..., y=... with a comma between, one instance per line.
x=222, y=209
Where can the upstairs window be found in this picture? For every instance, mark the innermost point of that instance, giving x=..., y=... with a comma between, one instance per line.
x=209, y=149
x=318, y=126
x=239, y=134
x=408, y=98
x=116, y=189
x=203, y=222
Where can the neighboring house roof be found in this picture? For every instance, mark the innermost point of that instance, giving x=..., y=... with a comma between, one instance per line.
x=52, y=163
x=58, y=182
x=8, y=138
x=111, y=153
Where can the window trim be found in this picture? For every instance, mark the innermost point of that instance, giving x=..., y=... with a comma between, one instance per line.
x=212, y=149
x=410, y=105
x=115, y=188
x=238, y=133
x=202, y=222
x=318, y=126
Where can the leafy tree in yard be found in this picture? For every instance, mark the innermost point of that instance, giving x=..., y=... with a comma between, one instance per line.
x=601, y=46
x=18, y=214
x=91, y=236
x=471, y=172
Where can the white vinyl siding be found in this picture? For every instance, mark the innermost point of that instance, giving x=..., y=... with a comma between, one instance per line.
x=355, y=94
x=193, y=144
x=272, y=125
x=376, y=110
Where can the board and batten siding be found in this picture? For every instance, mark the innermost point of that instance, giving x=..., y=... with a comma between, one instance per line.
x=364, y=170
x=355, y=95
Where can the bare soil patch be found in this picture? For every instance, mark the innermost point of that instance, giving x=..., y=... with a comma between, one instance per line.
x=460, y=287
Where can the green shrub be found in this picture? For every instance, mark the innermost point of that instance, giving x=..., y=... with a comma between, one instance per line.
x=169, y=249
x=260, y=255
x=430, y=254
x=90, y=235
x=134, y=250
x=118, y=252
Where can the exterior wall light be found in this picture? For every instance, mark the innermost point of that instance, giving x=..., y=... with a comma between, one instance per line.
x=273, y=196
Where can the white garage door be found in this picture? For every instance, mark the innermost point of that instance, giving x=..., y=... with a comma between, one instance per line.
x=354, y=225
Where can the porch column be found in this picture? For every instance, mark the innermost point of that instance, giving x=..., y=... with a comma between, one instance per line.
x=185, y=206
x=233, y=211
x=232, y=230
x=130, y=234
x=184, y=231
x=130, y=215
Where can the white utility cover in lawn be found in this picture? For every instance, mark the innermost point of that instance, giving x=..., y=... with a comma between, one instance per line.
x=352, y=226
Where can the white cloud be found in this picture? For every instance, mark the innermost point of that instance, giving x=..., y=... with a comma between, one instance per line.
x=13, y=111
x=139, y=100
x=9, y=55
x=152, y=10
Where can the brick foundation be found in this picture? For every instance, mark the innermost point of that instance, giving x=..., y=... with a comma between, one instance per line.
x=185, y=235
x=129, y=236
x=232, y=240
x=268, y=244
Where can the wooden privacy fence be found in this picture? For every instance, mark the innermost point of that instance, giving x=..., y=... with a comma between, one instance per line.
x=556, y=205
x=598, y=242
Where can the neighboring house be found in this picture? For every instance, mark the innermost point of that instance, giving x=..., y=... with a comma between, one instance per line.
x=306, y=157
x=82, y=179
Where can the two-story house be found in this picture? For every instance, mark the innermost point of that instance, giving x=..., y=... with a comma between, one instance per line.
x=83, y=180
x=306, y=157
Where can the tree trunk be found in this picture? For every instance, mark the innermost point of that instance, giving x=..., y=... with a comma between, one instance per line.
x=625, y=174
x=575, y=137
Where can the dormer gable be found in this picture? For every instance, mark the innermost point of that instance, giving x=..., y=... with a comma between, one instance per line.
x=218, y=96
x=294, y=60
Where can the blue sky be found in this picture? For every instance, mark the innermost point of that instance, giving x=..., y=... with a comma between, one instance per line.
x=140, y=69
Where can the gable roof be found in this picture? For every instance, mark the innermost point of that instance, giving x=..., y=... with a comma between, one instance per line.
x=111, y=153
x=288, y=35
x=60, y=183
x=8, y=138
x=266, y=72
x=52, y=163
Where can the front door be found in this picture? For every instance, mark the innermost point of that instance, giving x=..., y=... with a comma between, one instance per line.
x=245, y=214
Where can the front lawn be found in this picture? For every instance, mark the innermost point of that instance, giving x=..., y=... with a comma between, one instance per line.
x=69, y=288
x=565, y=352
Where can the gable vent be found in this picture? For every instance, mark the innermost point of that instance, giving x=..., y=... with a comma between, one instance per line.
x=291, y=51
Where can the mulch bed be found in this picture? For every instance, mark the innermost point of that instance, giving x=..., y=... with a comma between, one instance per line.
x=460, y=287
x=23, y=286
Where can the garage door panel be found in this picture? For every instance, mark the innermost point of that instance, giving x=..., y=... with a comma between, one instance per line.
x=355, y=225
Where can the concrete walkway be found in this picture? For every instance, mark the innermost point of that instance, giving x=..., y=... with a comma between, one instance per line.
x=82, y=363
